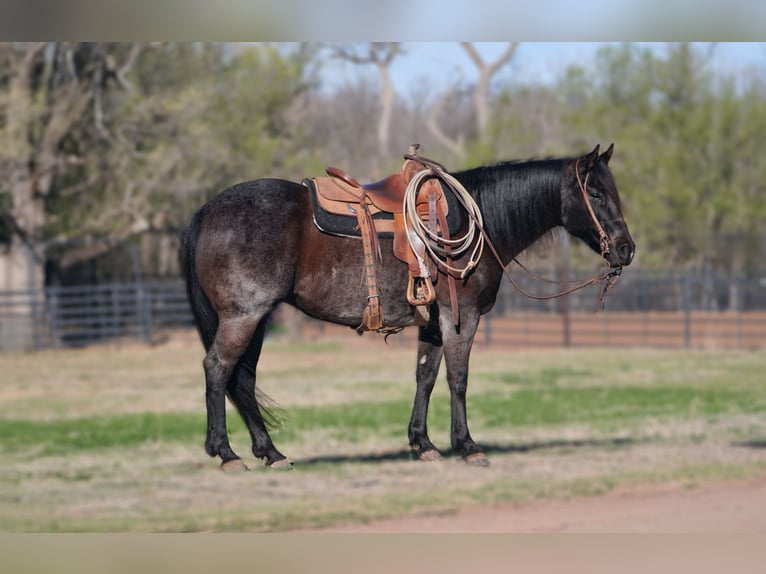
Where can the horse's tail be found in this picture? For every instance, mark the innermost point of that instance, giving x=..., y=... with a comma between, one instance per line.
x=205, y=317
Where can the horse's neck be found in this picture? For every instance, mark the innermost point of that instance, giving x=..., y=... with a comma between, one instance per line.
x=520, y=207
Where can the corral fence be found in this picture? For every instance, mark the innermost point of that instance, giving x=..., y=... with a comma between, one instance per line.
x=690, y=310
x=85, y=315
x=677, y=310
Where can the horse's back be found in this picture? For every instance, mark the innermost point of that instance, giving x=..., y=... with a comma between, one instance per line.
x=254, y=210
x=257, y=196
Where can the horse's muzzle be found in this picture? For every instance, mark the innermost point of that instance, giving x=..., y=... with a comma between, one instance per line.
x=622, y=254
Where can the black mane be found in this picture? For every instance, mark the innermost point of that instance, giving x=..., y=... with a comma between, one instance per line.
x=520, y=201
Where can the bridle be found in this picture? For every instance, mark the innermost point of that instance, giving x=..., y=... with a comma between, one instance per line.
x=603, y=240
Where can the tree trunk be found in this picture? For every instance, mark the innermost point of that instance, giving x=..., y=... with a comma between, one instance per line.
x=20, y=329
x=381, y=54
x=21, y=317
x=387, y=96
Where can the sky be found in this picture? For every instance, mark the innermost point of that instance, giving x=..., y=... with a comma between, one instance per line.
x=442, y=63
x=352, y=20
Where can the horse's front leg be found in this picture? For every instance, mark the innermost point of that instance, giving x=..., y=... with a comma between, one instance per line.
x=429, y=358
x=457, y=350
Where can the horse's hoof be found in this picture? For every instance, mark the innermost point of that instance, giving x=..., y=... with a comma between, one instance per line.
x=234, y=465
x=431, y=455
x=281, y=464
x=476, y=459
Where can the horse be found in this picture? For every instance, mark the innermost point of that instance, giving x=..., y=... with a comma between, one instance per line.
x=255, y=246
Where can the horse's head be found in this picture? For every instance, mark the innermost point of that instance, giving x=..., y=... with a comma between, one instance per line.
x=591, y=209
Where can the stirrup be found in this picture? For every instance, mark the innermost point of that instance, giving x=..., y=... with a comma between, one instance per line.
x=420, y=291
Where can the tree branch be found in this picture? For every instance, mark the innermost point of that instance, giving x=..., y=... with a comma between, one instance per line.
x=121, y=72
x=379, y=53
x=486, y=71
x=473, y=54
x=504, y=58
x=456, y=146
x=93, y=247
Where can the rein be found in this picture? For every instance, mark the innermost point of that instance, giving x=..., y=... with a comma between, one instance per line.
x=438, y=247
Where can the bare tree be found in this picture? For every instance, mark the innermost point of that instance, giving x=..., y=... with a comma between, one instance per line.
x=339, y=122
x=481, y=99
x=486, y=71
x=49, y=91
x=381, y=55
x=456, y=144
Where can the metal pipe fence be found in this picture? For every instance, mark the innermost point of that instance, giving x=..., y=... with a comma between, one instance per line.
x=59, y=317
x=660, y=309
x=647, y=309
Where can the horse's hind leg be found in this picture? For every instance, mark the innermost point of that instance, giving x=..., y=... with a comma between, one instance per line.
x=241, y=391
x=231, y=341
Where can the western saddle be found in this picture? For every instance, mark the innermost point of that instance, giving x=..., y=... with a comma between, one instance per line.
x=380, y=210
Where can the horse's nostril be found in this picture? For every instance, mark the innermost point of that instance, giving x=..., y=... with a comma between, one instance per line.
x=625, y=251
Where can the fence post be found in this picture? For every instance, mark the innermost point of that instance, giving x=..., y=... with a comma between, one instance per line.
x=34, y=308
x=687, y=307
x=145, y=297
x=54, y=301
x=115, y=304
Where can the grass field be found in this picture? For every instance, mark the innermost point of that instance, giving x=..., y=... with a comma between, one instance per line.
x=111, y=439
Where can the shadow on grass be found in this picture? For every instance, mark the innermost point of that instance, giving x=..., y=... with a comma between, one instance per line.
x=754, y=443
x=489, y=449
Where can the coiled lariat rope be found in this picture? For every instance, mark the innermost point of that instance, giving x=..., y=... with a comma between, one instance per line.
x=442, y=249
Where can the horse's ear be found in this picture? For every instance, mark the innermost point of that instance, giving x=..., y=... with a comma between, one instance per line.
x=586, y=162
x=606, y=156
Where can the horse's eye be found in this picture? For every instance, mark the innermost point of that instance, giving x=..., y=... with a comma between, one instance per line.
x=596, y=195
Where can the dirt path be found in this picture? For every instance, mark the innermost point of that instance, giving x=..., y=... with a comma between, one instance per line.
x=727, y=507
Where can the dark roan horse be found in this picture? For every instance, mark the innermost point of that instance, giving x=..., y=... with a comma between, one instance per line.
x=255, y=246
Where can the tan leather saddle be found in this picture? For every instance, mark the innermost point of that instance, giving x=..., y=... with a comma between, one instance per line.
x=379, y=210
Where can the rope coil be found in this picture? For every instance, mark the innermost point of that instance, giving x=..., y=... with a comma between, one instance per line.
x=438, y=247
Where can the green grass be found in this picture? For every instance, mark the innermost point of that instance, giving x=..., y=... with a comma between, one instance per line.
x=598, y=407
x=604, y=405
x=95, y=433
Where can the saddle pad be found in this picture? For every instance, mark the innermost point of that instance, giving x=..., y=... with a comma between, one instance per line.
x=347, y=225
